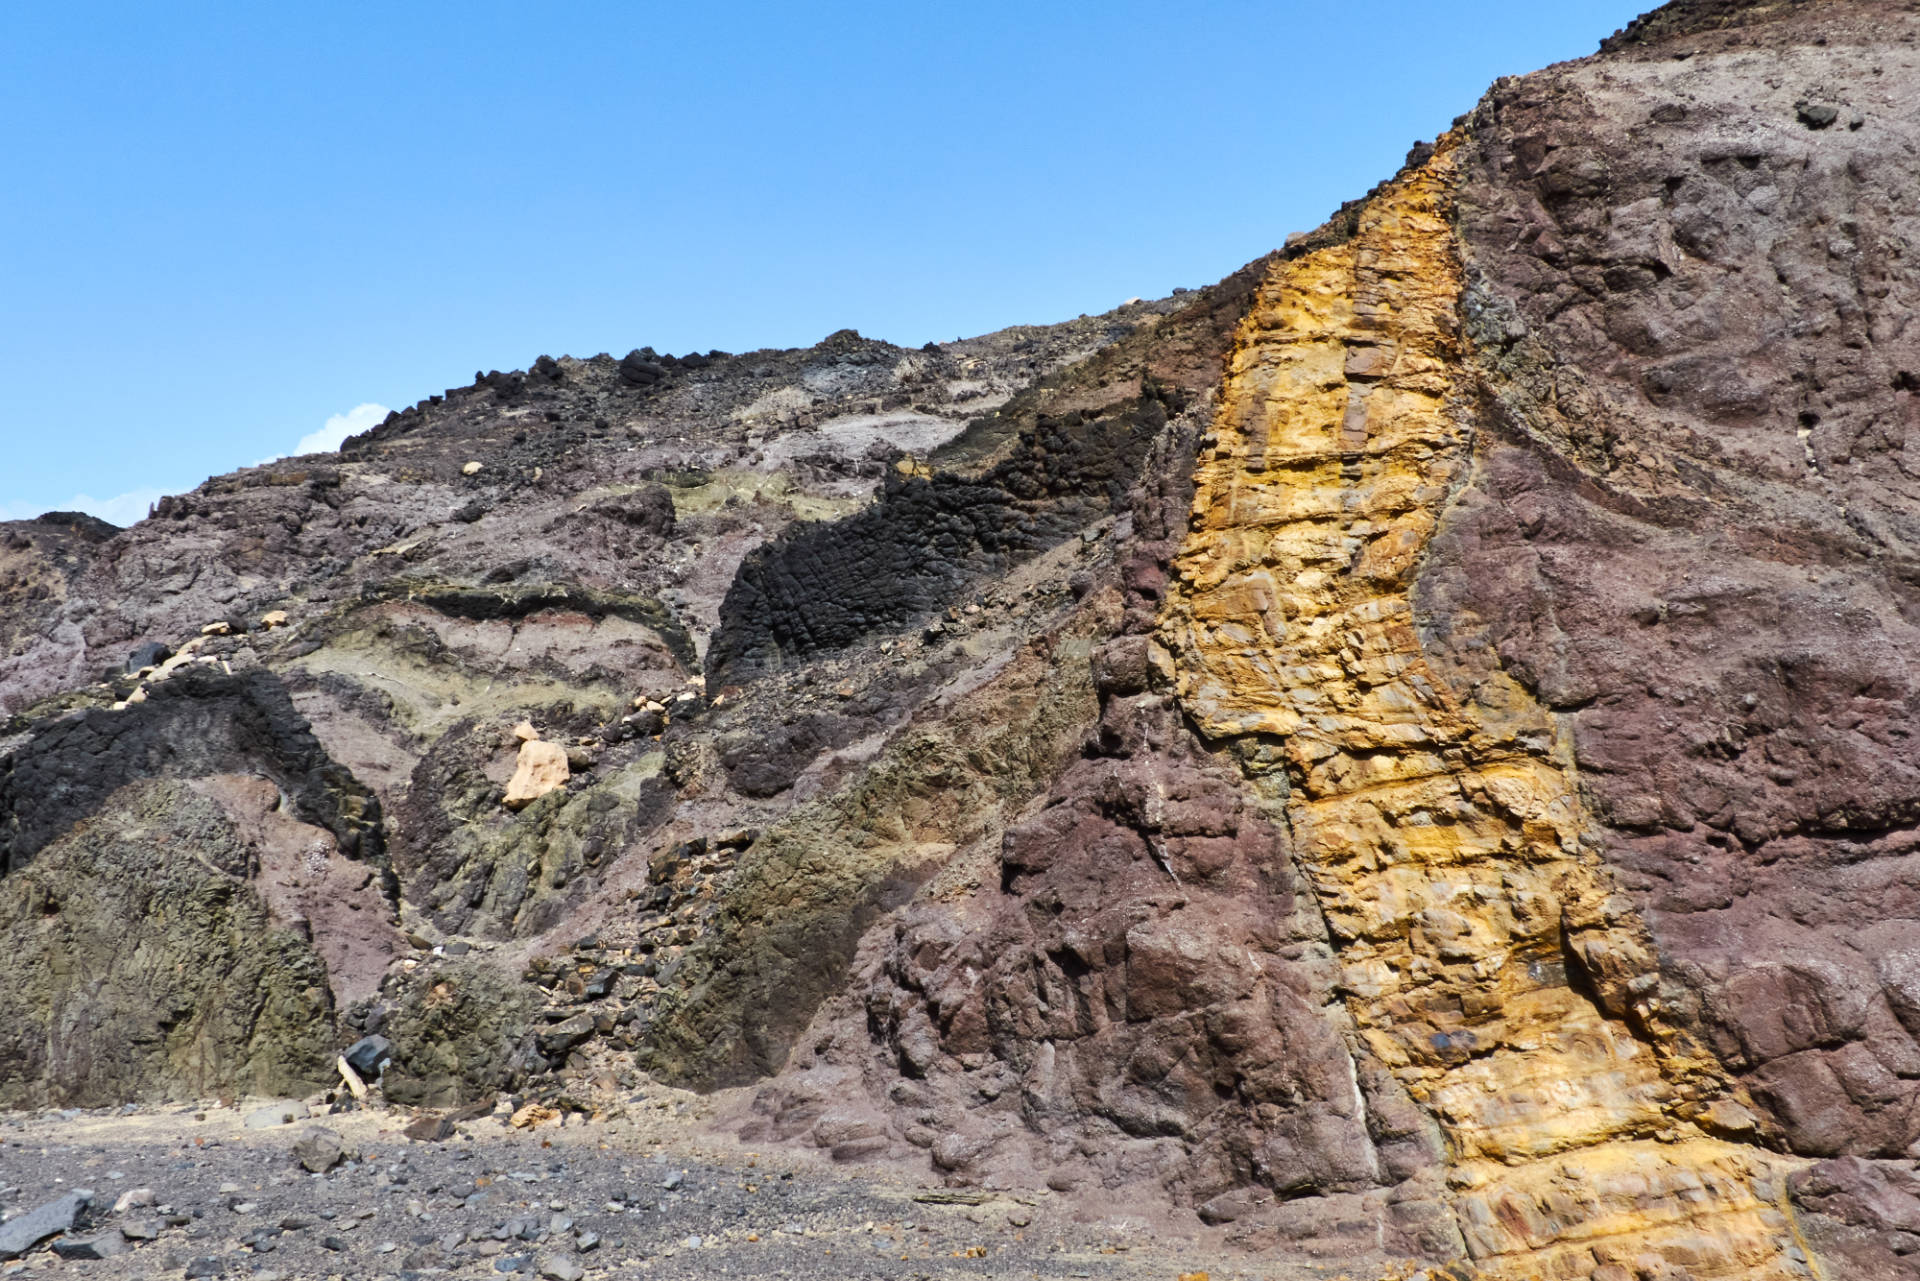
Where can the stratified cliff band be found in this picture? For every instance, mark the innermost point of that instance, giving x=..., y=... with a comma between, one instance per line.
x=1408, y=753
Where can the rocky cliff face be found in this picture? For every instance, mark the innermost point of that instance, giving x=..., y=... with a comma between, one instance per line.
x=1407, y=753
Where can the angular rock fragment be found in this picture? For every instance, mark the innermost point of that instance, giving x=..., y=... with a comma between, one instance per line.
x=541, y=768
x=319, y=1150
x=101, y=1245
x=24, y=1231
x=369, y=1056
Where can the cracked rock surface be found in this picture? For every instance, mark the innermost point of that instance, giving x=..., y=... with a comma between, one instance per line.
x=1402, y=759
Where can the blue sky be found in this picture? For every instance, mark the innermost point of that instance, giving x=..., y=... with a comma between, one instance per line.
x=226, y=230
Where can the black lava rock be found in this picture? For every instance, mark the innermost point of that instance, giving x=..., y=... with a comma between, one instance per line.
x=369, y=1055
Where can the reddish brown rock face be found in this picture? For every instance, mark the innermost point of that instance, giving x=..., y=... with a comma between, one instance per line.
x=1408, y=752
x=1152, y=976
x=1696, y=515
x=1677, y=559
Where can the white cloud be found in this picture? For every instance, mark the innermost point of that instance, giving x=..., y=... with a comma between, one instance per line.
x=121, y=509
x=339, y=427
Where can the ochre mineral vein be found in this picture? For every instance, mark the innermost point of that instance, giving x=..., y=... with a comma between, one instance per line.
x=1442, y=829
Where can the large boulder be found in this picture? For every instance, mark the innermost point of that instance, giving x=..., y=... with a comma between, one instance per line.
x=143, y=965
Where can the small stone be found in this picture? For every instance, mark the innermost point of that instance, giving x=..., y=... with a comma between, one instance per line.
x=105, y=1245
x=273, y=618
x=332, y=1243
x=471, y=469
x=673, y=1180
x=587, y=1242
x=533, y=1114
x=541, y=768
x=151, y=654
x=132, y=1198
x=246, y=1207
x=278, y=1114
x=141, y=1229
x=369, y=1055
x=561, y=1267
x=512, y=1263
x=431, y=1128
x=1815, y=115
x=216, y=629
x=295, y=1222
x=319, y=1150
x=563, y=1036
x=1728, y=1117
x=206, y=1265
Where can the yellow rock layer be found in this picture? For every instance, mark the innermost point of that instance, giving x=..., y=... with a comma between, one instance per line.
x=1442, y=829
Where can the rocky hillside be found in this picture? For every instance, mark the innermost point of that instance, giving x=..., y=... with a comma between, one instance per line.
x=1406, y=753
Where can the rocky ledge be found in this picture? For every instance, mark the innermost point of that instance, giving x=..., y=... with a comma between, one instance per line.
x=1405, y=754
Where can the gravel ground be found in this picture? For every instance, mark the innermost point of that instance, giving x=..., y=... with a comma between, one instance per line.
x=651, y=1194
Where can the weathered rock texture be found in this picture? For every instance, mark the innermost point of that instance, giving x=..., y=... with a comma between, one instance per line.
x=142, y=964
x=1693, y=532
x=1483, y=956
x=1407, y=753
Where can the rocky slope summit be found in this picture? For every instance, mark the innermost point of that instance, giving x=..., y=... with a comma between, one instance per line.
x=1406, y=753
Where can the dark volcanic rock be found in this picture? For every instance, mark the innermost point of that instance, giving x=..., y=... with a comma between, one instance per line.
x=197, y=723
x=1693, y=17
x=151, y=654
x=649, y=509
x=1561, y=795
x=369, y=1056
x=1697, y=533
x=457, y=1031
x=102, y=1245
x=319, y=1149
x=24, y=1231
x=143, y=966
x=891, y=565
x=1018, y=482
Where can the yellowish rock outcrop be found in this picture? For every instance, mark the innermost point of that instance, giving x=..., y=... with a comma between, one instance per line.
x=1442, y=828
x=541, y=767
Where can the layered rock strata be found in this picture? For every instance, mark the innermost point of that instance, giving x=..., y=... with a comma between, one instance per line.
x=1405, y=753
x=1484, y=954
